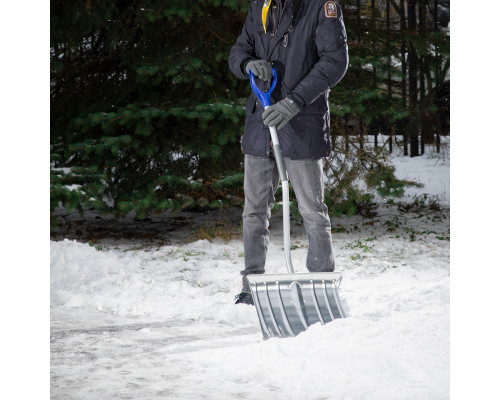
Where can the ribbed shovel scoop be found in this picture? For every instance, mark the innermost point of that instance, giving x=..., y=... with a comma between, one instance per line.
x=289, y=303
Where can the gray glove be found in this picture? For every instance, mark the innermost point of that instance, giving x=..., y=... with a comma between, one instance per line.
x=280, y=113
x=260, y=68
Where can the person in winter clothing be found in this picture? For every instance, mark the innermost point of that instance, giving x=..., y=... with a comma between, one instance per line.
x=306, y=42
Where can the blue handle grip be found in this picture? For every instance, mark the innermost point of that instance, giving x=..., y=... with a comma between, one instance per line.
x=264, y=97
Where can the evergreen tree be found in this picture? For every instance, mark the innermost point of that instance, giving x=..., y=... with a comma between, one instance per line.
x=144, y=113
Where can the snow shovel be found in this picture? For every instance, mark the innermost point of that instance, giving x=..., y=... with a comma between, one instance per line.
x=287, y=304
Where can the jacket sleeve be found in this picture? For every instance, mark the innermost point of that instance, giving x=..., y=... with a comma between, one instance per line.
x=331, y=44
x=243, y=49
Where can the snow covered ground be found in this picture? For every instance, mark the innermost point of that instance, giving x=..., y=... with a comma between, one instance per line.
x=431, y=169
x=150, y=320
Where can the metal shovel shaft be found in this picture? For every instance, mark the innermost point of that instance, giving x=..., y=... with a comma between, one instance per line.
x=280, y=162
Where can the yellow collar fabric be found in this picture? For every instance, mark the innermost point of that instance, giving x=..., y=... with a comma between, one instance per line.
x=265, y=9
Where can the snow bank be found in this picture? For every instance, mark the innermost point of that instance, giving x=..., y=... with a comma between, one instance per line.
x=141, y=283
x=161, y=323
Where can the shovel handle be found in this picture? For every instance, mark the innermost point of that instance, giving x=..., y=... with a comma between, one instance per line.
x=264, y=97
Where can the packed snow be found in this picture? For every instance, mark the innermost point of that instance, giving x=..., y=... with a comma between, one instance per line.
x=152, y=320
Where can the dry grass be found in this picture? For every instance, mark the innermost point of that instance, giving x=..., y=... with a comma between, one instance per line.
x=222, y=231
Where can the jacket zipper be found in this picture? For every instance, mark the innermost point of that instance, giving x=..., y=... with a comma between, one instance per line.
x=274, y=21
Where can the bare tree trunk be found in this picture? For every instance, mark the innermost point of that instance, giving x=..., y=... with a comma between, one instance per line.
x=388, y=29
x=436, y=72
x=403, y=71
x=412, y=80
x=361, y=134
x=358, y=18
x=389, y=77
x=423, y=98
x=390, y=138
x=346, y=136
x=373, y=23
x=423, y=107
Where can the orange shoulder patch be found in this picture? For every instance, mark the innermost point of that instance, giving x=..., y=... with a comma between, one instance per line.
x=330, y=9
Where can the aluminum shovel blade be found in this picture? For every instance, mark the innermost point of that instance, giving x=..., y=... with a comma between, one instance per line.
x=288, y=304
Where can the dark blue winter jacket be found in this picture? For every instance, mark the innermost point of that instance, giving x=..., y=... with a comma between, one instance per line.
x=306, y=43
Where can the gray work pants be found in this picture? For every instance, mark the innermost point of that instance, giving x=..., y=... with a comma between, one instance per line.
x=261, y=182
